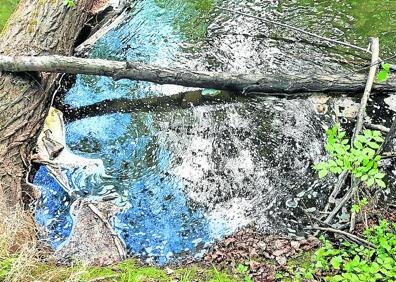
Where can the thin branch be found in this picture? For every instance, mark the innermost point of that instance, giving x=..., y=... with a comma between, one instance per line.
x=374, y=43
x=369, y=85
x=352, y=236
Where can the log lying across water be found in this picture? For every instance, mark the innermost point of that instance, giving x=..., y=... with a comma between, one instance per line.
x=264, y=83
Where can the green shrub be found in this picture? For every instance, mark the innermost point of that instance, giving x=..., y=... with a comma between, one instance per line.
x=352, y=262
x=361, y=159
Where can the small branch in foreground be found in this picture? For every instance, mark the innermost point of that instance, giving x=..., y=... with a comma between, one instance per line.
x=374, y=43
x=378, y=127
x=347, y=234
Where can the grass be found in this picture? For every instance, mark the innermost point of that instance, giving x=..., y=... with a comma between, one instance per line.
x=7, y=7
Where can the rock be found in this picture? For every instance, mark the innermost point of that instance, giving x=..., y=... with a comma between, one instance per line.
x=281, y=260
x=295, y=245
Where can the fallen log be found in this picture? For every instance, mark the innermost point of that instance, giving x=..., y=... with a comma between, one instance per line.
x=247, y=83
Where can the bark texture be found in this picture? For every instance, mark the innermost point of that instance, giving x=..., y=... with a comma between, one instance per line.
x=265, y=83
x=36, y=28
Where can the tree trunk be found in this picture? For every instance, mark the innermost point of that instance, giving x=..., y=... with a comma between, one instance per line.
x=265, y=83
x=36, y=28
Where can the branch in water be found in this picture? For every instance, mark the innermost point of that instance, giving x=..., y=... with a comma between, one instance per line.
x=266, y=84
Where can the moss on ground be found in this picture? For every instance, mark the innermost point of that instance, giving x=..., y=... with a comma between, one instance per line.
x=127, y=271
x=7, y=7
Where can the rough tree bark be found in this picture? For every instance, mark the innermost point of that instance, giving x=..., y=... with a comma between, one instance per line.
x=36, y=28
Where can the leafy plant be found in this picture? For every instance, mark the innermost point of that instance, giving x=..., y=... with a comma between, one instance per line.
x=69, y=3
x=356, y=208
x=360, y=159
x=5, y=267
x=384, y=73
x=243, y=269
x=353, y=262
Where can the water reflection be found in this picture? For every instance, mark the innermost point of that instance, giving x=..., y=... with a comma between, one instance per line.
x=186, y=177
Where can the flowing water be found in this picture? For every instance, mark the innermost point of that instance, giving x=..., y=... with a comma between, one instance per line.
x=185, y=177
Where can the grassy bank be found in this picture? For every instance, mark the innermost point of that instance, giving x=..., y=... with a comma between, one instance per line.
x=6, y=9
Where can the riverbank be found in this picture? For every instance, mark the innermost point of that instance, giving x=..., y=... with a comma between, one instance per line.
x=6, y=9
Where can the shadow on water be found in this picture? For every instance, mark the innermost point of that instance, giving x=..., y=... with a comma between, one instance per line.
x=187, y=177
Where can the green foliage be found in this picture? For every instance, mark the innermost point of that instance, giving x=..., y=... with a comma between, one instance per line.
x=69, y=3
x=360, y=159
x=384, y=73
x=356, y=208
x=5, y=267
x=353, y=262
x=243, y=269
x=7, y=7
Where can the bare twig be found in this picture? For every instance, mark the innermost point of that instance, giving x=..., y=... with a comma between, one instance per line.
x=378, y=127
x=374, y=43
x=344, y=200
x=391, y=134
x=349, y=235
x=337, y=188
x=369, y=85
x=388, y=155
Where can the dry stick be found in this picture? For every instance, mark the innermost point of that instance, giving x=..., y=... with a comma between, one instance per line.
x=358, y=127
x=320, y=222
x=363, y=104
x=388, y=138
x=354, y=237
x=378, y=127
x=388, y=155
x=337, y=188
x=297, y=29
x=369, y=85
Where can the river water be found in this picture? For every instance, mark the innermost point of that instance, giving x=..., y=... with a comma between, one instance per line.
x=186, y=177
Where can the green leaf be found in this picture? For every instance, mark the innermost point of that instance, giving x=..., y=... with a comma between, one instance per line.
x=370, y=182
x=320, y=166
x=337, y=278
x=69, y=3
x=379, y=175
x=357, y=144
x=344, y=141
x=361, y=139
x=332, y=163
x=382, y=75
x=329, y=148
x=378, y=139
x=355, y=209
x=368, y=133
x=373, y=145
x=336, y=262
x=386, y=67
x=242, y=268
x=323, y=173
x=380, y=183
